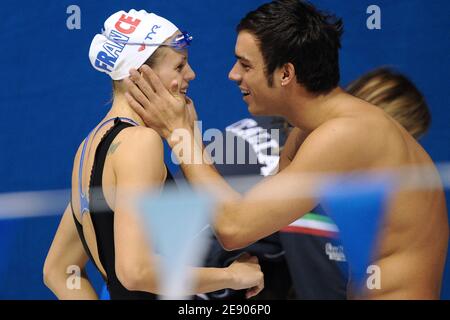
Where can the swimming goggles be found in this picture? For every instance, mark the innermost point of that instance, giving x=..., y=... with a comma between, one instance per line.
x=181, y=42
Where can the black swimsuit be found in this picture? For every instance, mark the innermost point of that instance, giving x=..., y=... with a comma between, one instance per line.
x=103, y=220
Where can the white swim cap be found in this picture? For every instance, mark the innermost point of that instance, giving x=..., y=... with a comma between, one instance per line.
x=117, y=49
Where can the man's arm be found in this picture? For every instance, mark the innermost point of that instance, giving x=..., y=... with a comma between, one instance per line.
x=268, y=207
x=280, y=200
x=277, y=201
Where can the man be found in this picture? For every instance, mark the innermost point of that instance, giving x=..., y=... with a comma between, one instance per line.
x=287, y=65
x=315, y=257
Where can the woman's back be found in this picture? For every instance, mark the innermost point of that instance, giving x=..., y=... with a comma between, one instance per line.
x=96, y=224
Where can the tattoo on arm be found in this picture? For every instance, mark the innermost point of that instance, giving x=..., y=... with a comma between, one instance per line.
x=113, y=148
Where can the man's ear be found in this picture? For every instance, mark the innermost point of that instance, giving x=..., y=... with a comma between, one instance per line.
x=287, y=74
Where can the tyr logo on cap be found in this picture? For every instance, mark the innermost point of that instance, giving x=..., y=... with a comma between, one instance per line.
x=153, y=32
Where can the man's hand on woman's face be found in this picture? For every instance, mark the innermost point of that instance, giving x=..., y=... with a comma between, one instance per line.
x=161, y=109
x=190, y=108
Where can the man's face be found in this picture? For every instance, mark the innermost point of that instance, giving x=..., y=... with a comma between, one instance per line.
x=248, y=73
x=173, y=65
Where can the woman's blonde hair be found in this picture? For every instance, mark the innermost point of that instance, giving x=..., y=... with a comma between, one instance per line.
x=397, y=95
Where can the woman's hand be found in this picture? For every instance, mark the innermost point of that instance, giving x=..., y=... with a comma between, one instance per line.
x=163, y=110
x=247, y=274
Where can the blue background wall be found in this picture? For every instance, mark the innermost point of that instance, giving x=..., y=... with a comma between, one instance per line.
x=50, y=96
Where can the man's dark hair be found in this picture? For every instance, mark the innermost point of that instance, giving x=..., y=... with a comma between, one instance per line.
x=294, y=31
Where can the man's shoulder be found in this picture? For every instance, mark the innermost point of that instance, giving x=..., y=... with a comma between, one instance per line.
x=346, y=130
x=344, y=143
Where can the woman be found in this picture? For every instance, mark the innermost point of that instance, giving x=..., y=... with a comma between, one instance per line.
x=119, y=156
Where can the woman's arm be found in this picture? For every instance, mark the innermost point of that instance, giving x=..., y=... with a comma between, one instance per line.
x=244, y=273
x=139, y=166
x=65, y=255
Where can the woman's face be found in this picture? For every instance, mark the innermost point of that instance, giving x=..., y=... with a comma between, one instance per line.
x=173, y=65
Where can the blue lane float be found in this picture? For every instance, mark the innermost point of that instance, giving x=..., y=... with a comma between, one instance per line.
x=177, y=221
x=357, y=206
